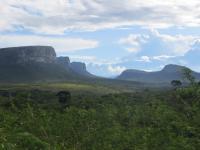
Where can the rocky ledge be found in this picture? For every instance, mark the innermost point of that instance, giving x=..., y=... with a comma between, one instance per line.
x=27, y=54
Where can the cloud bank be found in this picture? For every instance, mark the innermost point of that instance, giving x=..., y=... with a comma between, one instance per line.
x=61, y=44
x=59, y=16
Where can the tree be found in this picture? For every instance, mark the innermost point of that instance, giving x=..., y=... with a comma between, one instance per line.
x=187, y=74
x=64, y=98
x=176, y=83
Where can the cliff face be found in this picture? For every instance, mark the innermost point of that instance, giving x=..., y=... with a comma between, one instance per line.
x=31, y=64
x=77, y=67
x=65, y=61
x=37, y=64
x=80, y=68
x=27, y=54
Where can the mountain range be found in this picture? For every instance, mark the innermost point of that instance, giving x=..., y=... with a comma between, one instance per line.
x=40, y=64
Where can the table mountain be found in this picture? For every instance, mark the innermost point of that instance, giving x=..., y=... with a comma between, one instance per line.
x=80, y=68
x=77, y=67
x=34, y=64
x=27, y=54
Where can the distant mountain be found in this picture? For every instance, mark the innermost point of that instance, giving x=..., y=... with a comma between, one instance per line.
x=35, y=64
x=77, y=67
x=80, y=68
x=166, y=75
x=64, y=61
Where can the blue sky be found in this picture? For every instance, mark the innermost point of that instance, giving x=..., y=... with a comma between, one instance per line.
x=108, y=35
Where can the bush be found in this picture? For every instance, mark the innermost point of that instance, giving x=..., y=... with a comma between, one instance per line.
x=142, y=120
x=30, y=142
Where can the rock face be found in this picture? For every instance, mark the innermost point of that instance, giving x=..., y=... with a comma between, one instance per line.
x=65, y=61
x=27, y=54
x=31, y=64
x=80, y=68
x=166, y=75
x=77, y=67
x=37, y=64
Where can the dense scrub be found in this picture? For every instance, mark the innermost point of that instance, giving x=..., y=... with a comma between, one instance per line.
x=128, y=121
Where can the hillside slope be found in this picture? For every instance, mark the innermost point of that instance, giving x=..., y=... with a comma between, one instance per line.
x=166, y=75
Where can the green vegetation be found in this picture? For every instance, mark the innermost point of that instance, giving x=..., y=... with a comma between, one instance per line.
x=142, y=120
x=176, y=83
x=187, y=74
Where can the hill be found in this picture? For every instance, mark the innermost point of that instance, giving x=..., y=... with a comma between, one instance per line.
x=166, y=75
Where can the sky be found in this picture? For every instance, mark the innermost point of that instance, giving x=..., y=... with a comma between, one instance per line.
x=110, y=36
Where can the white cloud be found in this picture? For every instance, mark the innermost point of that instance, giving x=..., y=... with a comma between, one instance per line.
x=86, y=59
x=157, y=58
x=144, y=59
x=178, y=44
x=133, y=49
x=169, y=45
x=116, y=69
x=162, y=57
x=57, y=16
x=134, y=42
x=61, y=44
x=95, y=61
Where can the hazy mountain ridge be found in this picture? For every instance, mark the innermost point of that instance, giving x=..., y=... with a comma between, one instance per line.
x=40, y=64
x=166, y=75
x=35, y=64
x=77, y=67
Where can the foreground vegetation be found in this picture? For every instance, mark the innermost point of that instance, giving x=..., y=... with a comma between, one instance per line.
x=145, y=120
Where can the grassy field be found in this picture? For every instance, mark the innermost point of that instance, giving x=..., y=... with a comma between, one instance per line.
x=95, y=87
x=75, y=87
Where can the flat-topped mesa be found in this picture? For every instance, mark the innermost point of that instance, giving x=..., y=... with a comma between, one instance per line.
x=65, y=61
x=27, y=54
x=78, y=67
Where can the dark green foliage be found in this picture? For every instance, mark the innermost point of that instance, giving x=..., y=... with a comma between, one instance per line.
x=176, y=83
x=188, y=75
x=64, y=98
x=30, y=142
x=128, y=121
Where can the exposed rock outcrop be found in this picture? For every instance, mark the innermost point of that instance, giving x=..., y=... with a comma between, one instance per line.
x=65, y=61
x=37, y=64
x=31, y=64
x=27, y=54
x=77, y=67
x=80, y=68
